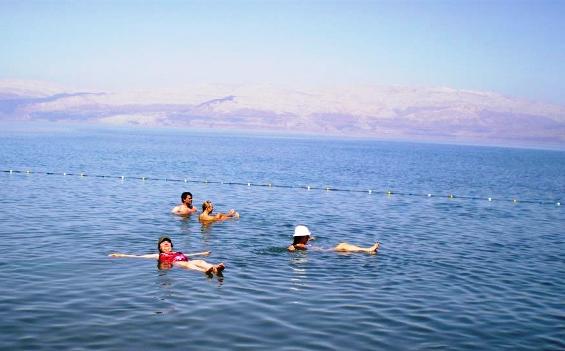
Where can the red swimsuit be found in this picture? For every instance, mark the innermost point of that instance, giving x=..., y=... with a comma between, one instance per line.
x=170, y=257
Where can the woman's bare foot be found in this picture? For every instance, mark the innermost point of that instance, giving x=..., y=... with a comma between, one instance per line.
x=217, y=269
x=373, y=249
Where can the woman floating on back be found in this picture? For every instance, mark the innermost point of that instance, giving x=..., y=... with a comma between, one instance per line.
x=302, y=235
x=167, y=258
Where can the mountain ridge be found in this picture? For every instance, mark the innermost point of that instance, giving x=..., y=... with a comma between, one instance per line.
x=364, y=111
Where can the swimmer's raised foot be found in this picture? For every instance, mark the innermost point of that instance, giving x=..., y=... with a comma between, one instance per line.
x=373, y=249
x=217, y=269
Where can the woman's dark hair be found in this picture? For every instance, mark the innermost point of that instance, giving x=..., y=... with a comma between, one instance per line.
x=300, y=239
x=161, y=239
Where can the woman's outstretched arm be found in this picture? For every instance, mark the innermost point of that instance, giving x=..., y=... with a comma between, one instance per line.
x=203, y=253
x=154, y=256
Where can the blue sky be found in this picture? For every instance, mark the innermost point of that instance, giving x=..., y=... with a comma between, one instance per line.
x=512, y=47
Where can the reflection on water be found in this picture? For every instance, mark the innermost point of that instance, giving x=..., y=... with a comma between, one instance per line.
x=299, y=265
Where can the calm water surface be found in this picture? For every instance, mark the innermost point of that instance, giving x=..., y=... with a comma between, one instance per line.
x=452, y=273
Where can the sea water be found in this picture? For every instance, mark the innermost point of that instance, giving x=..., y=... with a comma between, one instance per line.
x=453, y=272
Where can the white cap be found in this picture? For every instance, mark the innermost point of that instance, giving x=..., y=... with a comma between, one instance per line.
x=301, y=230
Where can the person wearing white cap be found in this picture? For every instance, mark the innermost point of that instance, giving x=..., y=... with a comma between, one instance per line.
x=302, y=235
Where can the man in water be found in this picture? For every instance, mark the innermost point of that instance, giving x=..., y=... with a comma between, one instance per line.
x=185, y=208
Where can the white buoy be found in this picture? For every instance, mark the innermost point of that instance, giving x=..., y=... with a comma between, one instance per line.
x=248, y=184
x=429, y=195
x=143, y=178
x=27, y=172
x=490, y=198
x=82, y=174
x=11, y=171
x=123, y=177
x=185, y=180
x=327, y=189
x=308, y=187
x=370, y=191
x=558, y=204
x=64, y=173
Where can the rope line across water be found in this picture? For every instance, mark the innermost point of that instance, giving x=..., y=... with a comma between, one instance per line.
x=307, y=187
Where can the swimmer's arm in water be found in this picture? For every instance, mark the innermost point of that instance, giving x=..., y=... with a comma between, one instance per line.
x=296, y=247
x=154, y=256
x=218, y=217
x=178, y=210
x=231, y=214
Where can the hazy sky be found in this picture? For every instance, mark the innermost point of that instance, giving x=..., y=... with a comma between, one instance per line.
x=513, y=47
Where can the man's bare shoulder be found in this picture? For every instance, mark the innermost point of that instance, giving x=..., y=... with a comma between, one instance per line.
x=181, y=210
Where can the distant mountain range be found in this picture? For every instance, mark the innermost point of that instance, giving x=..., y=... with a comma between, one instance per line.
x=385, y=112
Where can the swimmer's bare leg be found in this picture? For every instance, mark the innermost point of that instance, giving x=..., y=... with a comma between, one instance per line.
x=208, y=268
x=345, y=247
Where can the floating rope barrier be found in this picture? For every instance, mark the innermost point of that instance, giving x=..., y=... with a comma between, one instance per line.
x=306, y=187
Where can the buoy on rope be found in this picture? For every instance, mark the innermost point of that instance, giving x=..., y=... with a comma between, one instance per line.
x=308, y=187
x=123, y=177
x=429, y=195
x=370, y=191
x=490, y=198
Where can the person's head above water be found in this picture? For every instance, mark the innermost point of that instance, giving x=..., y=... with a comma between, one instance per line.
x=301, y=234
x=301, y=230
x=163, y=243
x=207, y=205
x=184, y=196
